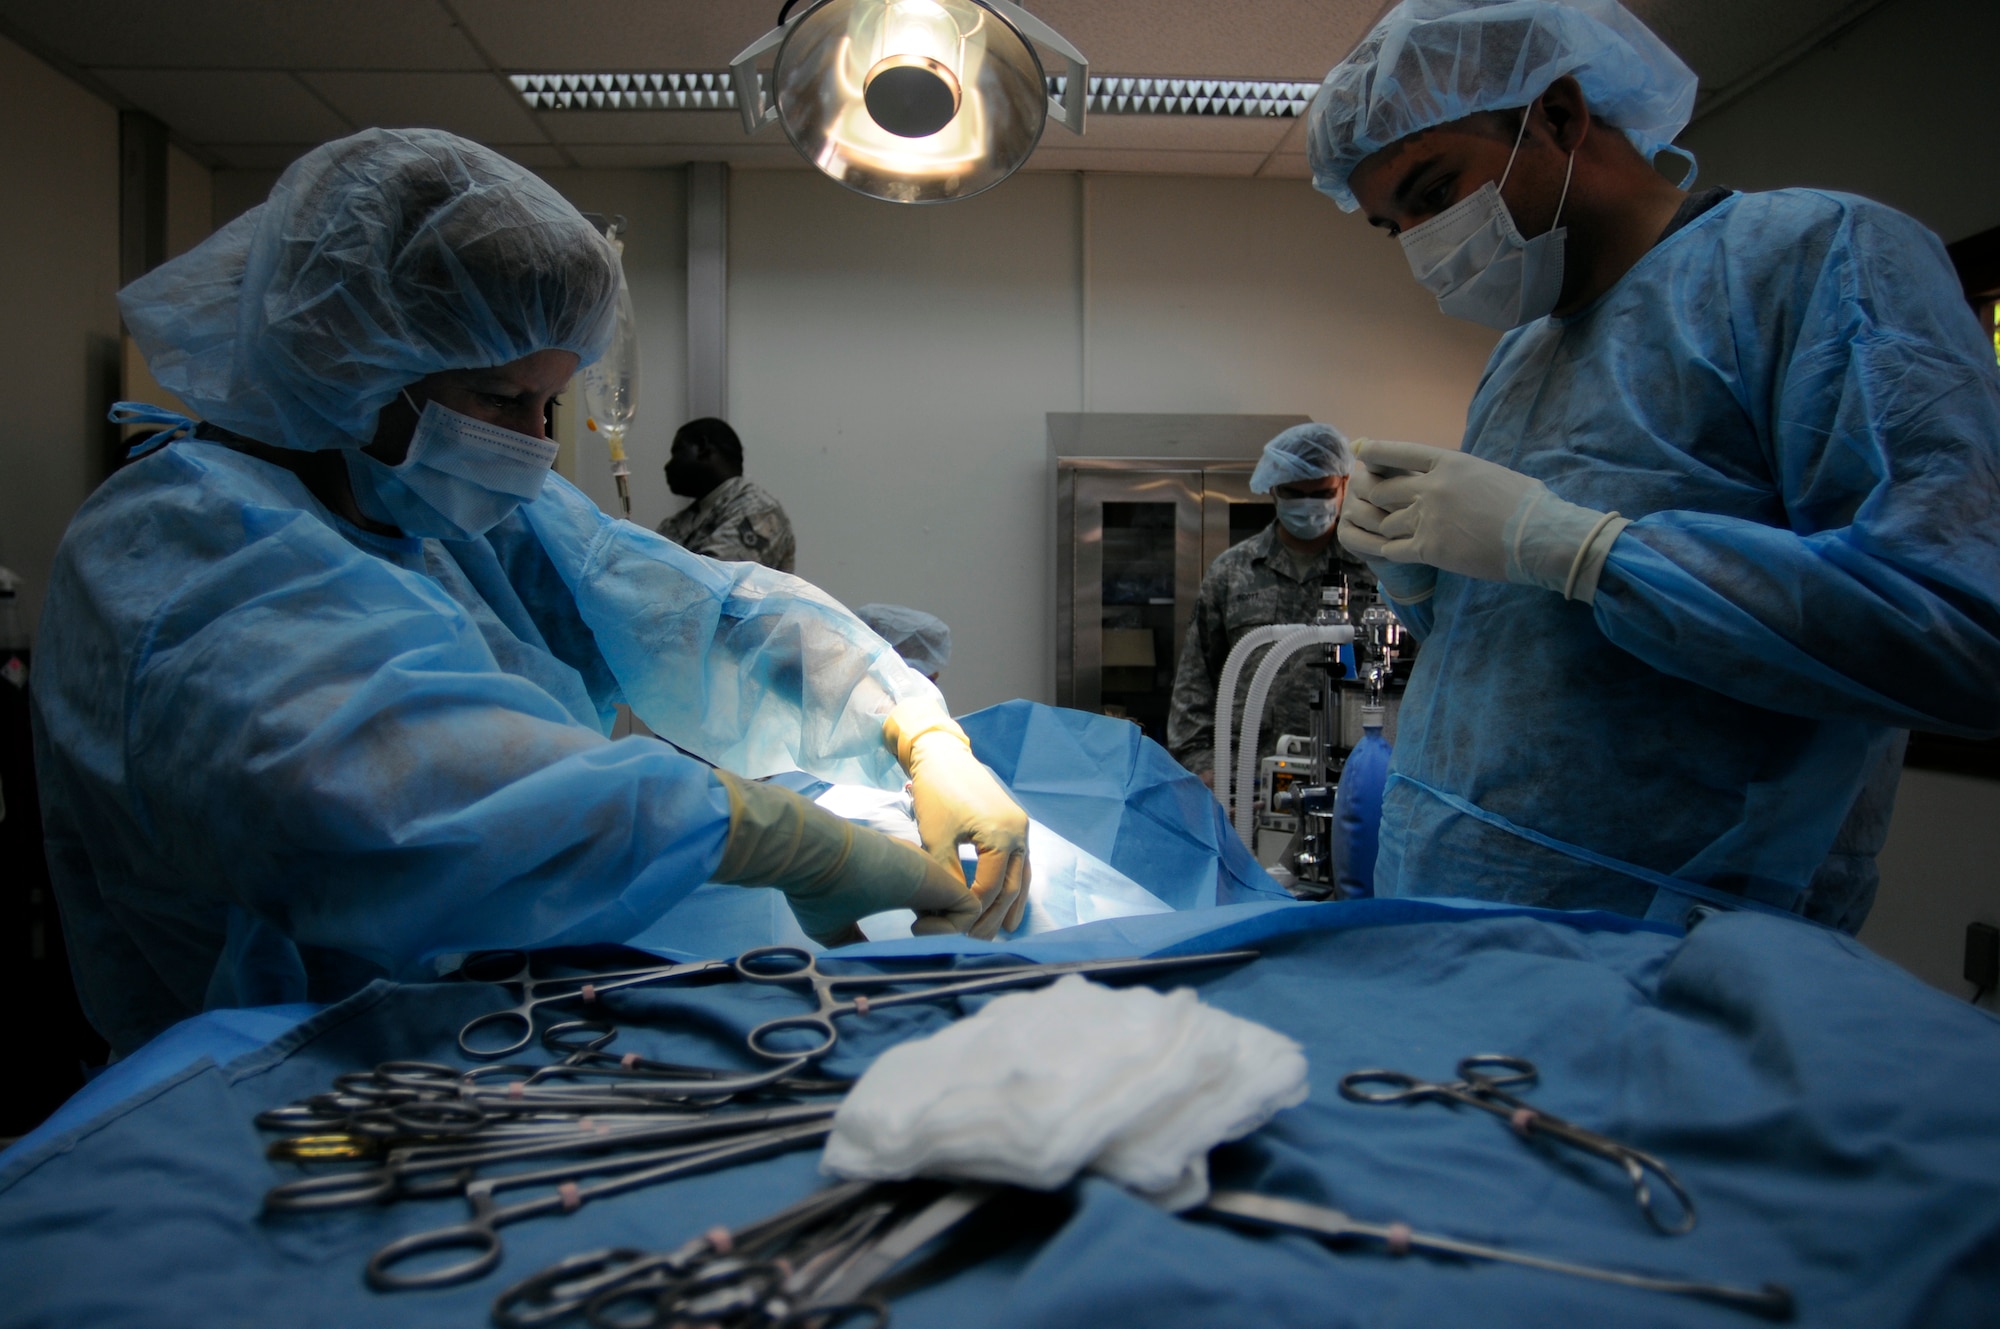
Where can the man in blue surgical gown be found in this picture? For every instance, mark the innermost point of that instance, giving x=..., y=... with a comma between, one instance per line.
x=1721, y=528
x=324, y=683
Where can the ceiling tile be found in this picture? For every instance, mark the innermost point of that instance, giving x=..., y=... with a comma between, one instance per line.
x=724, y=128
x=1210, y=132
x=627, y=155
x=527, y=35
x=1292, y=39
x=479, y=106
x=1157, y=161
x=221, y=72
x=230, y=106
x=240, y=34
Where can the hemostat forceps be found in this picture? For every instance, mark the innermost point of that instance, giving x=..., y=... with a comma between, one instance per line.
x=539, y=992
x=1483, y=1083
x=794, y=966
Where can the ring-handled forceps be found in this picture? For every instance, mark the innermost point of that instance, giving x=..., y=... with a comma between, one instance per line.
x=596, y=1281
x=821, y=1262
x=794, y=966
x=480, y=1234
x=433, y=1170
x=1484, y=1081
x=515, y=969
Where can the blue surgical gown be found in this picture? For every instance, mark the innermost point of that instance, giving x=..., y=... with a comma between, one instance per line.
x=280, y=756
x=1791, y=400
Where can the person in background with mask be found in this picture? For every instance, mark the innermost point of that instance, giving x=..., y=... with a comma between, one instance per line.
x=325, y=682
x=731, y=519
x=1721, y=530
x=923, y=640
x=1273, y=577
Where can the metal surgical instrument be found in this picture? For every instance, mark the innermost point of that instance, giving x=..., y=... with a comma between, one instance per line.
x=596, y=1280
x=1484, y=1081
x=819, y=1262
x=539, y=992
x=433, y=1170
x=794, y=966
x=480, y=1234
x=1772, y=1301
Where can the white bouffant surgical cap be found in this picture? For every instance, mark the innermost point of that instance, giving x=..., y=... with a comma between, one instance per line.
x=1303, y=452
x=378, y=259
x=1429, y=62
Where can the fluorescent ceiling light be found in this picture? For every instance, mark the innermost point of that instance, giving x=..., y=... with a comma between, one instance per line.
x=706, y=90
x=1118, y=95
x=1111, y=94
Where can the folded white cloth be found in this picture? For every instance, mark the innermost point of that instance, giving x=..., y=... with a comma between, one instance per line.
x=1039, y=1085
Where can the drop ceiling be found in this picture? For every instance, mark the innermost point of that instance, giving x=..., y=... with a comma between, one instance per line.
x=250, y=84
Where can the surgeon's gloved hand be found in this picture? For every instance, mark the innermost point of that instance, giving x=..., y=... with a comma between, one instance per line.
x=958, y=802
x=1409, y=503
x=1406, y=583
x=832, y=872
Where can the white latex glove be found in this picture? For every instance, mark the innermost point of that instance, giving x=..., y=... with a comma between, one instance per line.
x=832, y=872
x=1409, y=503
x=959, y=802
x=1406, y=583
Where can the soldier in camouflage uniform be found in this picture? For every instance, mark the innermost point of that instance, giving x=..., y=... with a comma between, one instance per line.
x=731, y=518
x=1273, y=577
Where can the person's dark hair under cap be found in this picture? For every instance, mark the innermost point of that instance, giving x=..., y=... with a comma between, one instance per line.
x=717, y=437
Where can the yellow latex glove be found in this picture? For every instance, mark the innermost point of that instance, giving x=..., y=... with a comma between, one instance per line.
x=959, y=802
x=832, y=872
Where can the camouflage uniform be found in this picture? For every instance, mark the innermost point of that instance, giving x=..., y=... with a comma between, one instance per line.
x=736, y=522
x=1251, y=585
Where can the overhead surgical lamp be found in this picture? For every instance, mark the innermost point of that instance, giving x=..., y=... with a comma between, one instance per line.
x=914, y=101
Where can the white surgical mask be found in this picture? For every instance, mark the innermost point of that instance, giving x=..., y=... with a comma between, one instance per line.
x=1308, y=518
x=1472, y=258
x=461, y=478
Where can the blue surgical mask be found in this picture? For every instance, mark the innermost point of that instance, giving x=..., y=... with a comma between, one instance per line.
x=1308, y=518
x=1472, y=258
x=461, y=478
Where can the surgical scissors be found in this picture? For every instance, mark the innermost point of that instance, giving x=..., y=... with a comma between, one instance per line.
x=794, y=966
x=582, y=987
x=480, y=1234
x=1483, y=1082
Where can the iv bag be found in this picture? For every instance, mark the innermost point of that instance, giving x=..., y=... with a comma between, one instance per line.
x=611, y=386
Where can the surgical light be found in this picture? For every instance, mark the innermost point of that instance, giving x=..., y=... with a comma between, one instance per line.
x=914, y=101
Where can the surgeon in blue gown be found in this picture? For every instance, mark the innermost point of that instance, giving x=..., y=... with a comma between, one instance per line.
x=324, y=681
x=1721, y=529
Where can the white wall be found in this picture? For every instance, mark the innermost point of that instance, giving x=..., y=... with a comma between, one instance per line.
x=59, y=342
x=891, y=367
x=1901, y=110
x=1940, y=871
x=1262, y=296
